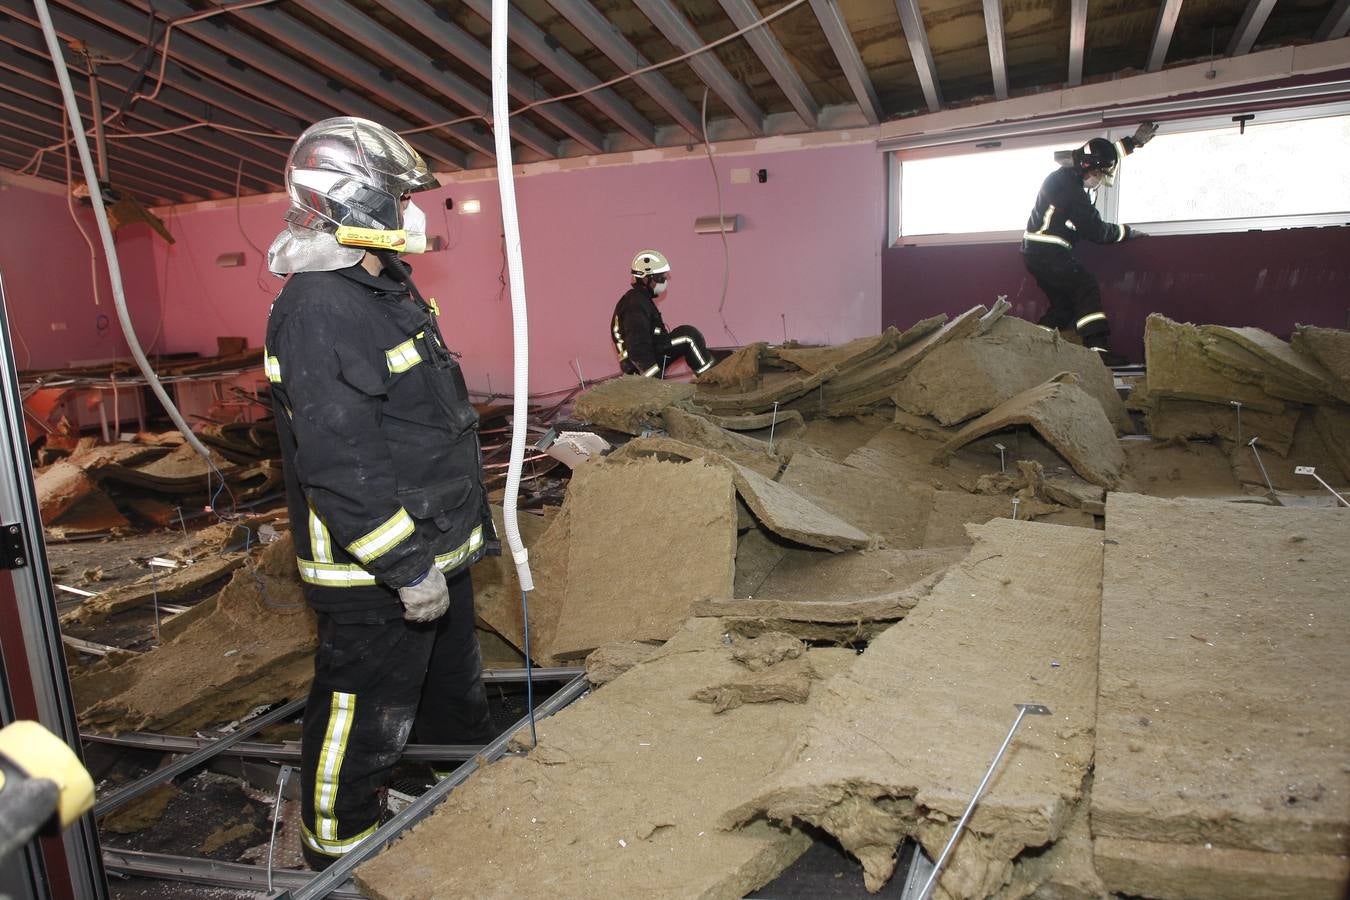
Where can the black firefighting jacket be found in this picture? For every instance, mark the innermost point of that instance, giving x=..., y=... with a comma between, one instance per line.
x=379, y=441
x=640, y=336
x=1064, y=213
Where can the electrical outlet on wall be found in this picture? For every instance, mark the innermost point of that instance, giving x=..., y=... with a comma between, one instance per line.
x=740, y=176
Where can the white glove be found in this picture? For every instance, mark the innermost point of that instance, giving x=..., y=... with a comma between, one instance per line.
x=426, y=599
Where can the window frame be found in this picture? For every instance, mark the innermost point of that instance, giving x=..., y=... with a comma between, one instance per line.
x=1107, y=198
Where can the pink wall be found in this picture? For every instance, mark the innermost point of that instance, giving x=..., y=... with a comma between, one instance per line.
x=1270, y=279
x=809, y=250
x=45, y=266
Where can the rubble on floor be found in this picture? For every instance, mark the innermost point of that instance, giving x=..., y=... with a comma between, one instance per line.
x=964, y=379
x=624, y=587
x=623, y=795
x=1221, y=763
x=250, y=645
x=907, y=732
x=631, y=404
x=157, y=479
x=1066, y=418
x=1240, y=384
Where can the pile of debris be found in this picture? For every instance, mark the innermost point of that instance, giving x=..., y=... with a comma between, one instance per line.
x=1200, y=779
x=158, y=479
x=1247, y=388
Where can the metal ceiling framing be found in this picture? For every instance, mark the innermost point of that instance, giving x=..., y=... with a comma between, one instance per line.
x=744, y=14
x=1336, y=24
x=586, y=19
x=415, y=65
x=911, y=20
x=464, y=47
x=673, y=24
x=1077, y=40
x=850, y=60
x=1249, y=26
x=998, y=50
x=1162, y=34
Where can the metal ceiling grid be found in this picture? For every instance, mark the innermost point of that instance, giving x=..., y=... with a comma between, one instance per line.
x=257, y=73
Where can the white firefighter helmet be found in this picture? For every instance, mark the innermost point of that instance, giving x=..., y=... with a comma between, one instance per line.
x=649, y=262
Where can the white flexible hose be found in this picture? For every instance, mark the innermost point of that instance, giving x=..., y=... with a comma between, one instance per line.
x=506, y=185
x=109, y=248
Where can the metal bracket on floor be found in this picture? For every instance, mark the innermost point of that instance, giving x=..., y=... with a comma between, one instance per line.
x=166, y=867
x=287, y=751
x=192, y=760
x=337, y=874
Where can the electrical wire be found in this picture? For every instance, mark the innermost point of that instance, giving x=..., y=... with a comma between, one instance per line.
x=35, y=161
x=239, y=223
x=105, y=232
x=721, y=224
x=168, y=33
x=631, y=75
x=70, y=205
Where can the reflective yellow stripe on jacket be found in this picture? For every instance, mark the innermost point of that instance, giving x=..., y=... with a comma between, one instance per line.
x=330, y=574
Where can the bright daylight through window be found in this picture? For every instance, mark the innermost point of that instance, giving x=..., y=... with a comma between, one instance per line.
x=990, y=190
x=1211, y=178
x=1281, y=169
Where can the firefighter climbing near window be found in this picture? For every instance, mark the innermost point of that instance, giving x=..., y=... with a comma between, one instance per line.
x=1064, y=213
x=644, y=344
x=383, y=478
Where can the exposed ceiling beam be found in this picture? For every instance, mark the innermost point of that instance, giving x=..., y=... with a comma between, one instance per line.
x=1162, y=34
x=744, y=13
x=195, y=98
x=34, y=78
x=672, y=23
x=259, y=70
x=547, y=51
x=465, y=47
x=1249, y=26
x=850, y=60
x=372, y=36
x=916, y=35
x=611, y=42
x=301, y=39
x=37, y=100
x=13, y=155
x=151, y=159
x=124, y=169
x=998, y=53
x=1077, y=38
x=1336, y=24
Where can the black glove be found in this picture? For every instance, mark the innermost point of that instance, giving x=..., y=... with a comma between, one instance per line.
x=1144, y=133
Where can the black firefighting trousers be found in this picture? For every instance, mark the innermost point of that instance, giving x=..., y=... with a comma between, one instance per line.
x=685, y=342
x=1075, y=298
x=374, y=683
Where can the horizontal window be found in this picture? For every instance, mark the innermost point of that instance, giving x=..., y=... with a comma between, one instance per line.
x=1285, y=168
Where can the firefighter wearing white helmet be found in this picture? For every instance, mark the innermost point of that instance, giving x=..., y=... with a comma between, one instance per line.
x=380, y=457
x=644, y=345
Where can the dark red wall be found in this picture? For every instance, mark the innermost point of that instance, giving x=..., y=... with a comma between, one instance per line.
x=1271, y=279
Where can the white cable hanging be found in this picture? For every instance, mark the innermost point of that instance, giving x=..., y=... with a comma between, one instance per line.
x=506, y=185
x=105, y=232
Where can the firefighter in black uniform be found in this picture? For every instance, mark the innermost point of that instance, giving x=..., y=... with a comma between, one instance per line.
x=383, y=477
x=1063, y=213
x=644, y=344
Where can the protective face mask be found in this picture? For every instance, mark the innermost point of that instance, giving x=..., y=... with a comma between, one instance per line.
x=659, y=288
x=415, y=229
x=1092, y=180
